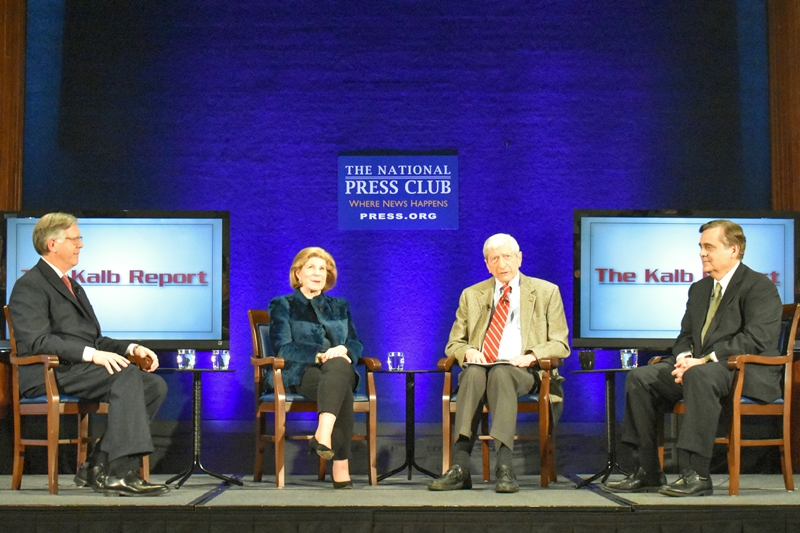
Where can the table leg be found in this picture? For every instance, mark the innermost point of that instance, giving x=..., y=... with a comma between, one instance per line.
x=197, y=404
x=409, y=462
x=611, y=432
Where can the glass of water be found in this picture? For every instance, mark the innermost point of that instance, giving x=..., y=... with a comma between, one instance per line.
x=220, y=359
x=187, y=358
x=396, y=360
x=629, y=358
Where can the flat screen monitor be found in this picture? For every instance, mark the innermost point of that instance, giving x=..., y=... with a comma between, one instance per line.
x=633, y=270
x=159, y=278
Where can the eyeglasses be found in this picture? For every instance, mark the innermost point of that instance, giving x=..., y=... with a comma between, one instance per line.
x=75, y=240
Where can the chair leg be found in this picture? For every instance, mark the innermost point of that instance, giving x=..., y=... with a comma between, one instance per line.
x=53, y=427
x=83, y=438
x=447, y=444
x=258, y=467
x=546, y=467
x=321, y=470
x=19, y=455
x=19, y=464
x=786, y=453
x=280, y=443
x=485, y=447
x=734, y=455
x=372, y=426
x=144, y=469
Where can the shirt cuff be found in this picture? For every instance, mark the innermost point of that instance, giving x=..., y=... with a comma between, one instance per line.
x=132, y=346
x=682, y=355
x=711, y=357
x=88, y=354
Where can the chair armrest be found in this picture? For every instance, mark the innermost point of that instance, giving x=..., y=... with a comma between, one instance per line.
x=276, y=362
x=548, y=363
x=738, y=361
x=371, y=363
x=50, y=361
x=142, y=362
x=446, y=364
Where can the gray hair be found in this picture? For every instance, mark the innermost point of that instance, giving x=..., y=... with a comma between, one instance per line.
x=497, y=240
x=51, y=226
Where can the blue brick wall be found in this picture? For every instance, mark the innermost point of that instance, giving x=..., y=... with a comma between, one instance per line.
x=244, y=106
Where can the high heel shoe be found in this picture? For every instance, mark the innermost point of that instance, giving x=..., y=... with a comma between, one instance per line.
x=343, y=484
x=322, y=450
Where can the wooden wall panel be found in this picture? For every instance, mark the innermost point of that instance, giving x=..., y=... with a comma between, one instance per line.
x=12, y=99
x=784, y=96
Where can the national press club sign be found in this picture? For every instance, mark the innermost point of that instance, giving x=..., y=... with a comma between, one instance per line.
x=398, y=192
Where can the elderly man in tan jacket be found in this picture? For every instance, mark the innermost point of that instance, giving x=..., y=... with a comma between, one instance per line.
x=503, y=326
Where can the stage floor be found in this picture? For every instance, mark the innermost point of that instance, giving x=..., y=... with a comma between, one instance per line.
x=398, y=491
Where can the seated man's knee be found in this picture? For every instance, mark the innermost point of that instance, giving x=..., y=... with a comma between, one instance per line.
x=500, y=375
x=155, y=385
x=472, y=375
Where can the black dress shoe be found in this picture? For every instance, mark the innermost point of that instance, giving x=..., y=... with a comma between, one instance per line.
x=455, y=478
x=131, y=485
x=322, y=450
x=639, y=481
x=689, y=483
x=92, y=476
x=506, y=481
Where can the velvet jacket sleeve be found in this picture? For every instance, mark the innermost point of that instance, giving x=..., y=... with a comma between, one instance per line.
x=299, y=328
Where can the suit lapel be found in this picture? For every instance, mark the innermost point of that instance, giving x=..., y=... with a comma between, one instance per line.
x=58, y=284
x=482, y=311
x=527, y=302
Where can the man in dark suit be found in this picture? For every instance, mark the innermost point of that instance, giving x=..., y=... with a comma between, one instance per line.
x=52, y=315
x=732, y=311
x=533, y=327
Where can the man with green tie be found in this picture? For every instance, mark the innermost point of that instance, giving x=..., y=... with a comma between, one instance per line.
x=731, y=311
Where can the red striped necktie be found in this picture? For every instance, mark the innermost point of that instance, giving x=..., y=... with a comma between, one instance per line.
x=65, y=279
x=491, y=344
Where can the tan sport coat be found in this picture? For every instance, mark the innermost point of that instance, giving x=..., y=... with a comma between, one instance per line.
x=543, y=324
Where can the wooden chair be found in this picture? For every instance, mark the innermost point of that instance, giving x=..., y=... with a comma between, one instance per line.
x=744, y=406
x=529, y=403
x=52, y=405
x=280, y=402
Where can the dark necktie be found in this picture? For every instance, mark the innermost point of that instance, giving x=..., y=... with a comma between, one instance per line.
x=716, y=296
x=65, y=279
x=491, y=344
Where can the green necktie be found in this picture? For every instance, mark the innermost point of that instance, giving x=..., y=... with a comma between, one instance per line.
x=716, y=296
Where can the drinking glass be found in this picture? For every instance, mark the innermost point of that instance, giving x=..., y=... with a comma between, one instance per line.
x=629, y=358
x=220, y=359
x=189, y=358
x=180, y=359
x=396, y=360
x=586, y=359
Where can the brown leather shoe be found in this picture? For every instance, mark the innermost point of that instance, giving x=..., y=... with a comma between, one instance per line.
x=639, y=481
x=454, y=479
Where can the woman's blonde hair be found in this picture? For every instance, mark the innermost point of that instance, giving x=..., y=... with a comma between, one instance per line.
x=302, y=258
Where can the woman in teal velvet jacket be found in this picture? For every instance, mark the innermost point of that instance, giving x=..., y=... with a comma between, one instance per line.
x=314, y=333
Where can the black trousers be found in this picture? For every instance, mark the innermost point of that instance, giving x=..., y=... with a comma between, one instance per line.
x=331, y=386
x=651, y=389
x=133, y=398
